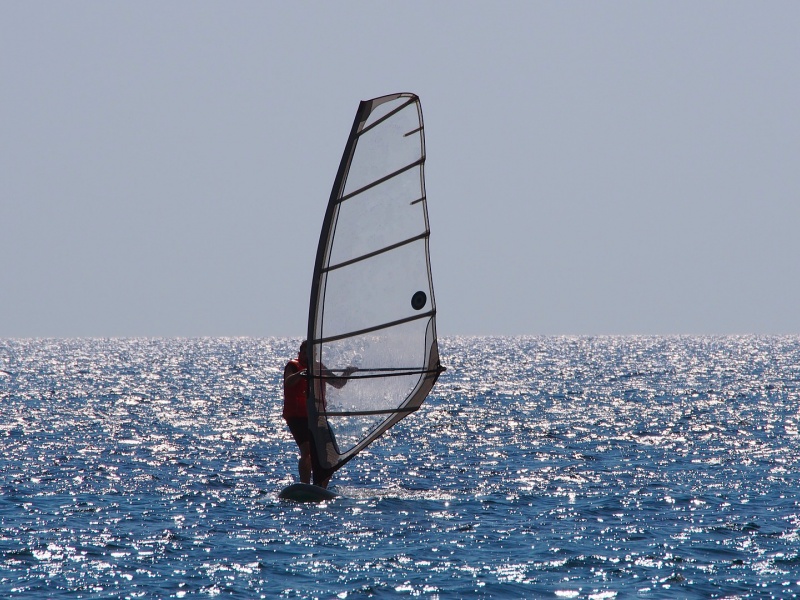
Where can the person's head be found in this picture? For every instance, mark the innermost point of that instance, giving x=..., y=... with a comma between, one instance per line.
x=302, y=357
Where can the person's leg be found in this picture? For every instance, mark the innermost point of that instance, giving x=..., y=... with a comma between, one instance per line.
x=304, y=464
x=321, y=475
x=302, y=436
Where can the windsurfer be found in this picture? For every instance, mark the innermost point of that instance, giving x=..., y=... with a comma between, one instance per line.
x=295, y=412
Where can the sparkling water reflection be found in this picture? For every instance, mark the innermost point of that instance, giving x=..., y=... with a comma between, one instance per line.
x=540, y=467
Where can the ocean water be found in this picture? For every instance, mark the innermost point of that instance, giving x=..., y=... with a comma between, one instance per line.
x=540, y=467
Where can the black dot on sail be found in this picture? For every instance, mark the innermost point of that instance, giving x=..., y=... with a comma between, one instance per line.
x=418, y=300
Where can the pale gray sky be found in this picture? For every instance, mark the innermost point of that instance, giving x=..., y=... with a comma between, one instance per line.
x=593, y=167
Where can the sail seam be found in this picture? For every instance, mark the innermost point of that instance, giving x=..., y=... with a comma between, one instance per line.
x=343, y=336
x=416, y=163
x=346, y=263
x=388, y=115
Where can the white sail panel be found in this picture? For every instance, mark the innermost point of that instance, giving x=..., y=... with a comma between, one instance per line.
x=385, y=105
x=374, y=292
x=372, y=302
x=360, y=226
x=360, y=407
x=376, y=159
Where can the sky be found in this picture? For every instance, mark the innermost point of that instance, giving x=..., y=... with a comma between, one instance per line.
x=593, y=168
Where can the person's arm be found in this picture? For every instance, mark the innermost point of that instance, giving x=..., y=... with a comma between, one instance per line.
x=292, y=376
x=340, y=381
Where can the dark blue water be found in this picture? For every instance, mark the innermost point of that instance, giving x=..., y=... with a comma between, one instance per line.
x=540, y=467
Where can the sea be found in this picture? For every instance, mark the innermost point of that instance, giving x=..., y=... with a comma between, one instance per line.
x=539, y=467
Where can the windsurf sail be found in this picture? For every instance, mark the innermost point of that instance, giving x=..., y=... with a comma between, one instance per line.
x=372, y=304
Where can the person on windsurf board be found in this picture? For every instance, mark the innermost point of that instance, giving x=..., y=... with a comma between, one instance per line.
x=295, y=413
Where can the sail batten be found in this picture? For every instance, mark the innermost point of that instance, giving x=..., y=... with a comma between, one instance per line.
x=372, y=304
x=380, y=373
x=367, y=413
x=359, y=332
x=423, y=235
x=383, y=180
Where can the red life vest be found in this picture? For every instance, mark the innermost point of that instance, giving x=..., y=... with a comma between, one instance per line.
x=294, y=397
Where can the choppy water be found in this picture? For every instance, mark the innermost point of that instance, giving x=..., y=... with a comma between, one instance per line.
x=540, y=467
